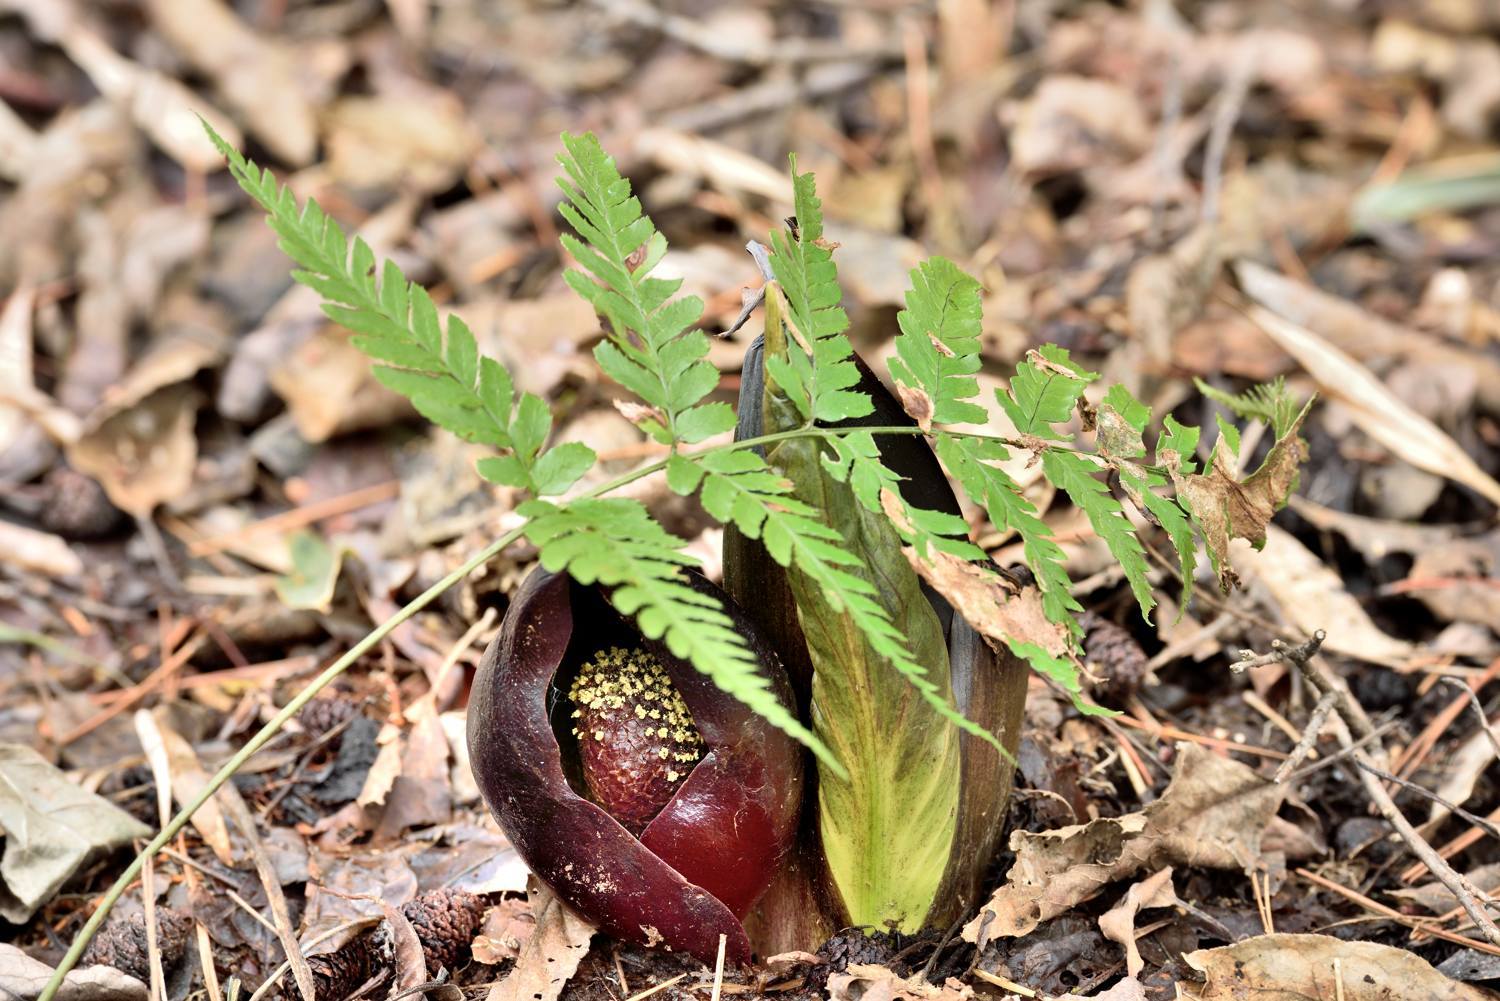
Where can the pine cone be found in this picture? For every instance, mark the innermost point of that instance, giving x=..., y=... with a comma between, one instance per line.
x=77, y=507
x=121, y=943
x=1113, y=653
x=324, y=713
x=336, y=975
x=445, y=922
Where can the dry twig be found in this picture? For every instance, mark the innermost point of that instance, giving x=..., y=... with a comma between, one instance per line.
x=1349, y=718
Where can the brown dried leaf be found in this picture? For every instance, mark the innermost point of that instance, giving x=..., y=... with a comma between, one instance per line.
x=144, y=454
x=995, y=608
x=1317, y=967
x=1118, y=924
x=550, y=956
x=1459, y=580
x=1212, y=814
x=411, y=962
x=165, y=109
x=506, y=928
x=187, y=779
x=421, y=794
x=1435, y=898
x=1230, y=508
x=259, y=78
x=1375, y=538
x=330, y=389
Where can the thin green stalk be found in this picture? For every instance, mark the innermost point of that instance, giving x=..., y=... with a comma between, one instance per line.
x=255, y=743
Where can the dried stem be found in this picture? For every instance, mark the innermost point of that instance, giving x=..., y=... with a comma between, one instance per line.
x=1315, y=724
x=1351, y=718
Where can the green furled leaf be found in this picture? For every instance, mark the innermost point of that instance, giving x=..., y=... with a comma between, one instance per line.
x=937, y=352
x=971, y=461
x=615, y=542
x=435, y=365
x=887, y=825
x=881, y=688
x=816, y=376
x=664, y=362
x=1076, y=476
x=1267, y=402
x=1043, y=391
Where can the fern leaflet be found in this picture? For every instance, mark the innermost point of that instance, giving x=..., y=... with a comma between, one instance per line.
x=1043, y=391
x=1267, y=402
x=937, y=352
x=1122, y=420
x=664, y=364
x=817, y=376
x=971, y=461
x=396, y=323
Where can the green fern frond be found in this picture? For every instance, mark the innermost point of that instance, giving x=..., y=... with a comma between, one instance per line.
x=1077, y=476
x=971, y=461
x=651, y=349
x=1268, y=402
x=1122, y=421
x=396, y=323
x=614, y=541
x=937, y=352
x=817, y=376
x=854, y=458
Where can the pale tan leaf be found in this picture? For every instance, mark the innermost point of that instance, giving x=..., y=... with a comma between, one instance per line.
x=506, y=928
x=411, y=963
x=1118, y=923
x=1313, y=597
x=51, y=828
x=33, y=551
x=1378, y=412
x=258, y=77
x=144, y=454
x=550, y=955
x=22, y=979
x=189, y=779
x=1316, y=968
x=873, y=982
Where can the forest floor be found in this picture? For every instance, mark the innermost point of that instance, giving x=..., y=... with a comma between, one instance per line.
x=205, y=497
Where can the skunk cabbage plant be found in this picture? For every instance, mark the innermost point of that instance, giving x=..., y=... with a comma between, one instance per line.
x=650, y=801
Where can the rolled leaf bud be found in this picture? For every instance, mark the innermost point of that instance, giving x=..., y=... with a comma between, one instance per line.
x=651, y=802
x=988, y=687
